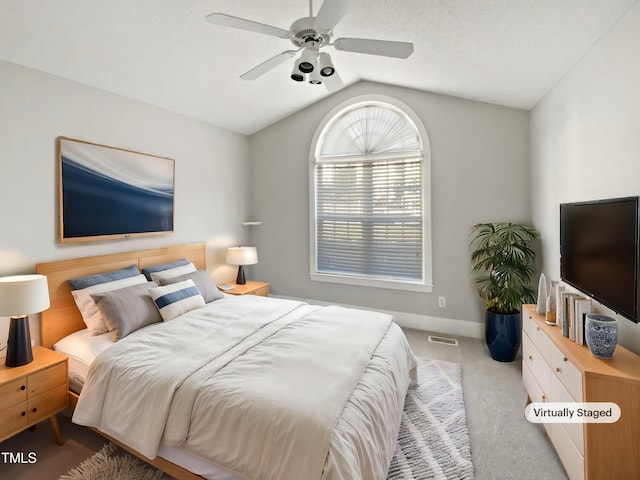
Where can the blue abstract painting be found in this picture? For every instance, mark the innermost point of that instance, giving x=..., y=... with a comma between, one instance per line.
x=108, y=192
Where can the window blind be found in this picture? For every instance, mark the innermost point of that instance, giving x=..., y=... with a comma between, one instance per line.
x=369, y=218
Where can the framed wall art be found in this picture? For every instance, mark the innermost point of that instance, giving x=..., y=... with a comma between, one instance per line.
x=108, y=192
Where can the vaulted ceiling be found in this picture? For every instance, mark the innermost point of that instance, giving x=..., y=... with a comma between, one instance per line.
x=163, y=52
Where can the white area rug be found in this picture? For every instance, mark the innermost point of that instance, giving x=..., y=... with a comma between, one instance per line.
x=433, y=442
x=113, y=463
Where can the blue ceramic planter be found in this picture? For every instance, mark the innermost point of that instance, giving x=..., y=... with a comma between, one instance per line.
x=503, y=333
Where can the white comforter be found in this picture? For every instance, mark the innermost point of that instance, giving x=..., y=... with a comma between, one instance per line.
x=266, y=388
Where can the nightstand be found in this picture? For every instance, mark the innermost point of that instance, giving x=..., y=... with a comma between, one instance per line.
x=250, y=288
x=33, y=392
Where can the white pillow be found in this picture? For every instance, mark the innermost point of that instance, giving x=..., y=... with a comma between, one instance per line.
x=88, y=308
x=175, y=299
x=82, y=346
x=173, y=272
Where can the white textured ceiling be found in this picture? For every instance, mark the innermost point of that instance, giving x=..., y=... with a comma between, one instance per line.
x=163, y=52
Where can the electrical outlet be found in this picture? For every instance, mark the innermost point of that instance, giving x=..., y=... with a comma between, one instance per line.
x=442, y=302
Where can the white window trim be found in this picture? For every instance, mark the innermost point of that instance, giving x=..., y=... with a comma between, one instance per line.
x=426, y=285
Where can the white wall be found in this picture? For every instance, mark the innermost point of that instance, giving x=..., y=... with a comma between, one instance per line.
x=585, y=139
x=211, y=169
x=480, y=173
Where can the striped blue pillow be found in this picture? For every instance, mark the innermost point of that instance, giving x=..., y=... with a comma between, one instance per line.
x=176, y=299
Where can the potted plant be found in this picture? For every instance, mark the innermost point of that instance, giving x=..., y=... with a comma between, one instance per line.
x=503, y=263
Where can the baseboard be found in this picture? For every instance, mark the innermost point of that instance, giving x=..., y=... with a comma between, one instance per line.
x=427, y=323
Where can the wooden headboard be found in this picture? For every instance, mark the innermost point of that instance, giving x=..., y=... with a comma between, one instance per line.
x=63, y=317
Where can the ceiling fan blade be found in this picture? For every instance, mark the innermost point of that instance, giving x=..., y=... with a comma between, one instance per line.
x=264, y=67
x=331, y=12
x=244, y=24
x=375, y=47
x=333, y=83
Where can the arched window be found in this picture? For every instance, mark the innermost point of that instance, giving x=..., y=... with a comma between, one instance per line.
x=370, y=182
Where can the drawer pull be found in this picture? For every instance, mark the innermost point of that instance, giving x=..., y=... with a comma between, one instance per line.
x=23, y=413
x=23, y=387
x=538, y=329
x=544, y=397
x=565, y=359
x=530, y=357
x=34, y=410
x=557, y=369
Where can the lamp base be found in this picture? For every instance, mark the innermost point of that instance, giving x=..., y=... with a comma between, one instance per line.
x=240, y=280
x=19, y=342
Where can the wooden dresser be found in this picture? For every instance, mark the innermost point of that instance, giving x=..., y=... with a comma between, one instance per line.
x=33, y=392
x=556, y=369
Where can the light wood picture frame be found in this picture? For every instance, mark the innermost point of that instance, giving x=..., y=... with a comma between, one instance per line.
x=108, y=192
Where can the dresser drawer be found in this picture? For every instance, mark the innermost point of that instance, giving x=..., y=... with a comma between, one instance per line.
x=574, y=430
x=44, y=405
x=13, y=419
x=568, y=374
x=531, y=385
x=47, y=379
x=13, y=392
x=533, y=359
x=571, y=458
x=537, y=336
x=534, y=391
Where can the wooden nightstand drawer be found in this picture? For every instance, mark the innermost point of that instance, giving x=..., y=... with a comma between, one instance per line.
x=250, y=288
x=13, y=419
x=33, y=392
x=262, y=292
x=13, y=392
x=47, y=379
x=44, y=405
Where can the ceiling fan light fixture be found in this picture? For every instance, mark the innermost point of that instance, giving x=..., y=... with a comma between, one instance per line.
x=315, y=78
x=307, y=61
x=325, y=65
x=296, y=75
x=310, y=35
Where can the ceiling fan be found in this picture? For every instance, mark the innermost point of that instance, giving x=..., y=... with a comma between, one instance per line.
x=310, y=34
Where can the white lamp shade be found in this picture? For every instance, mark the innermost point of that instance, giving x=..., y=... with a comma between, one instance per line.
x=242, y=256
x=23, y=294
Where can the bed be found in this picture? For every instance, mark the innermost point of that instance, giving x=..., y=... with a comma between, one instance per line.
x=243, y=387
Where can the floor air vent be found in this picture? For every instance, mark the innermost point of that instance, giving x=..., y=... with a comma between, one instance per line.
x=447, y=341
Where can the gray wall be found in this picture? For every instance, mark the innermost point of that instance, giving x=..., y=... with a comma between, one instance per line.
x=480, y=173
x=585, y=140
x=211, y=170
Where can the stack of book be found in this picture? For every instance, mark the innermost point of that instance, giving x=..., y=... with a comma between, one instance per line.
x=571, y=313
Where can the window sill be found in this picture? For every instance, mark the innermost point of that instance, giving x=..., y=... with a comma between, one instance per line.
x=372, y=282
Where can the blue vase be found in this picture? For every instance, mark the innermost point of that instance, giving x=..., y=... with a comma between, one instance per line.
x=601, y=333
x=503, y=334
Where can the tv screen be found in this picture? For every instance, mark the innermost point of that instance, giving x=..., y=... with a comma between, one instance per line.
x=108, y=192
x=599, y=251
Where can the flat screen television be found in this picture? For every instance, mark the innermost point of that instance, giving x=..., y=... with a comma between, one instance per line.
x=599, y=251
x=109, y=192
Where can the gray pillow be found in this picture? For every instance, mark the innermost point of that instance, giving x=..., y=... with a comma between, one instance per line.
x=91, y=280
x=127, y=309
x=203, y=283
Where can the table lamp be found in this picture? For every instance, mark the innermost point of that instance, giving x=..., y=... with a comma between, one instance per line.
x=21, y=295
x=241, y=256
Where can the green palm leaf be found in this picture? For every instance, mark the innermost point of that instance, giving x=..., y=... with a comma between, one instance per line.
x=502, y=262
